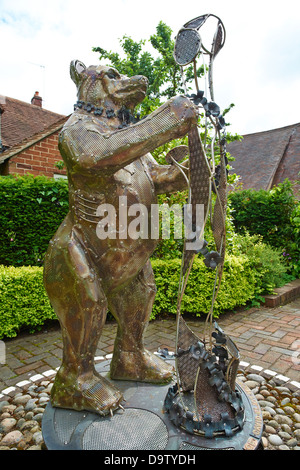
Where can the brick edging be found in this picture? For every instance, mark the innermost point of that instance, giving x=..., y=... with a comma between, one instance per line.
x=279, y=379
x=283, y=295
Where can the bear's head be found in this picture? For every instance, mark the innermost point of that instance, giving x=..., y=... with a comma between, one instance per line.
x=105, y=86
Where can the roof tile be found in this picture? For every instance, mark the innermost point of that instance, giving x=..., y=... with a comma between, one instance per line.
x=22, y=120
x=266, y=158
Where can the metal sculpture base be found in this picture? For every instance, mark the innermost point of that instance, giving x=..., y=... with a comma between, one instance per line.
x=143, y=425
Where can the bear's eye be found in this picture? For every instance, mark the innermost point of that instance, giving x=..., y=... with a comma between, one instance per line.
x=111, y=74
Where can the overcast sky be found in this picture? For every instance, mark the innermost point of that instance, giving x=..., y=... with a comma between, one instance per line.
x=258, y=69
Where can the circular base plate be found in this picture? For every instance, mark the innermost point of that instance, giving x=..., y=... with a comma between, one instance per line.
x=143, y=425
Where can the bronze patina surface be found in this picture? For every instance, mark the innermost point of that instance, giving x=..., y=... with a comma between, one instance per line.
x=107, y=156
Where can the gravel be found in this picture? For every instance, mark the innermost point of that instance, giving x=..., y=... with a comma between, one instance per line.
x=21, y=415
x=280, y=411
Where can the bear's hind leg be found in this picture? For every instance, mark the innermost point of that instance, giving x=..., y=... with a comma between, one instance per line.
x=132, y=306
x=81, y=306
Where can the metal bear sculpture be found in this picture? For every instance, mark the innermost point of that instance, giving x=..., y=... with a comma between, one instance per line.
x=106, y=155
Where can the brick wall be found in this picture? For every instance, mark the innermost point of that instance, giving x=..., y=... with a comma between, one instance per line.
x=39, y=159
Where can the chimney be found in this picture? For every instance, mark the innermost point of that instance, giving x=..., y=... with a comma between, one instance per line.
x=37, y=100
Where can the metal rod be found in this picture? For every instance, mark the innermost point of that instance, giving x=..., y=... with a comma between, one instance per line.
x=183, y=80
x=195, y=76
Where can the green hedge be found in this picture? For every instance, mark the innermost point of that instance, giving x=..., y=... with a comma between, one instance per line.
x=34, y=207
x=23, y=301
x=275, y=215
x=25, y=305
x=266, y=213
x=32, y=210
x=240, y=284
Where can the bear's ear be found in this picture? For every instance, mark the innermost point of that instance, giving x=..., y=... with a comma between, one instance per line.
x=76, y=68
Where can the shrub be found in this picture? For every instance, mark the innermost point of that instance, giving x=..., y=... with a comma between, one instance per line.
x=32, y=210
x=23, y=300
x=266, y=213
x=170, y=248
x=291, y=251
x=265, y=260
x=238, y=286
x=275, y=215
x=35, y=208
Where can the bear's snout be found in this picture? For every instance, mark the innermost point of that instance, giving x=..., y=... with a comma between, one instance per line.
x=138, y=81
x=129, y=90
x=142, y=79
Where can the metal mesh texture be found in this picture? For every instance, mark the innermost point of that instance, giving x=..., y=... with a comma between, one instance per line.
x=186, y=365
x=232, y=368
x=217, y=45
x=218, y=40
x=207, y=399
x=178, y=153
x=196, y=22
x=187, y=46
x=206, y=396
x=135, y=294
x=97, y=393
x=86, y=137
x=232, y=371
x=199, y=182
x=140, y=183
x=218, y=222
x=134, y=429
x=65, y=423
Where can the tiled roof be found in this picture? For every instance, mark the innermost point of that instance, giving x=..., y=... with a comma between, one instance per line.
x=267, y=158
x=26, y=143
x=20, y=121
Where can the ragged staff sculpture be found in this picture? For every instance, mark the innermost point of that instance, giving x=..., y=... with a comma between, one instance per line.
x=106, y=154
x=205, y=399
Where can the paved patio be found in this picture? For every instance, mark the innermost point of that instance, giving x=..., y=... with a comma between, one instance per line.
x=266, y=337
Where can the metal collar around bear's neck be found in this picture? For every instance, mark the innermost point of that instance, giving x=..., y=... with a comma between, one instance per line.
x=123, y=114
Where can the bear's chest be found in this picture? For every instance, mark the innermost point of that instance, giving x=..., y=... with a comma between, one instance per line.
x=135, y=183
